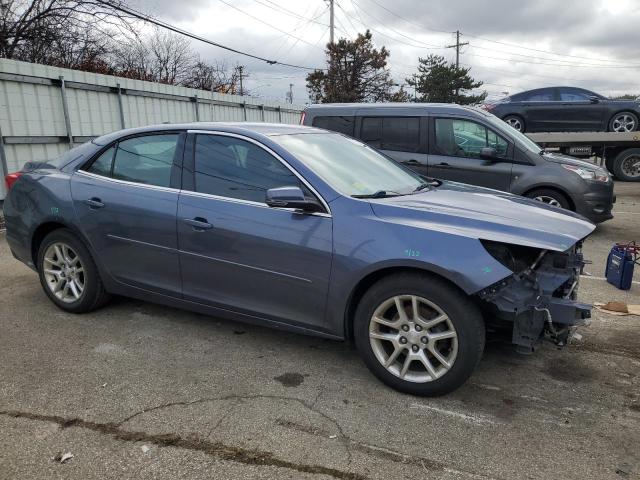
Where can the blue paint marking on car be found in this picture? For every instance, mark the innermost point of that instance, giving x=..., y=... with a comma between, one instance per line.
x=303, y=230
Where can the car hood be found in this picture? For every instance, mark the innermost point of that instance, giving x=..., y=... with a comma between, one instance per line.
x=485, y=214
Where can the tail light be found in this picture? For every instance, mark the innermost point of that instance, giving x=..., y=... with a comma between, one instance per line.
x=487, y=106
x=10, y=179
x=302, y=115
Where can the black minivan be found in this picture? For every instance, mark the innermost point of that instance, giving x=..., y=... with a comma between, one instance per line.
x=470, y=145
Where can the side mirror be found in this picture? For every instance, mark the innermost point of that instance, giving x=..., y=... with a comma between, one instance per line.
x=291, y=197
x=489, y=153
x=594, y=99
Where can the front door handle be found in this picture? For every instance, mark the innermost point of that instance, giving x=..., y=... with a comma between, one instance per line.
x=412, y=160
x=442, y=165
x=94, y=203
x=199, y=224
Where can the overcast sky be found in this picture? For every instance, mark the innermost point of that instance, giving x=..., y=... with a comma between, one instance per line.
x=595, y=44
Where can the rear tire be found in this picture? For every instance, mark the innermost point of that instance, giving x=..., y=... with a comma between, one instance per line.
x=452, y=345
x=68, y=274
x=516, y=122
x=626, y=166
x=550, y=197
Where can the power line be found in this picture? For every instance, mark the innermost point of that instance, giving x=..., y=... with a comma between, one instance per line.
x=275, y=6
x=300, y=24
x=513, y=45
x=421, y=27
x=159, y=23
x=263, y=22
x=571, y=65
x=424, y=46
x=539, y=50
x=543, y=58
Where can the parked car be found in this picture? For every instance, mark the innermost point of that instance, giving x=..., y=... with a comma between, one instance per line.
x=469, y=145
x=566, y=109
x=269, y=224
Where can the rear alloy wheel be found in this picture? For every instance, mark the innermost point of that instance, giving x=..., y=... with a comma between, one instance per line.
x=63, y=272
x=624, y=122
x=627, y=165
x=68, y=273
x=515, y=122
x=550, y=197
x=418, y=334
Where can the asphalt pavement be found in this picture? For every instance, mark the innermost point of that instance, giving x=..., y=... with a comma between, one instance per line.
x=137, y=390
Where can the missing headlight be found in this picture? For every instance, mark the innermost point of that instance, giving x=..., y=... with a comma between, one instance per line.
x=514, y=257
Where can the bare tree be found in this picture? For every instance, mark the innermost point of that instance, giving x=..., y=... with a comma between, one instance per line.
x=94, y=36
x=213, y=77
x=28, y=28
x=171, y=57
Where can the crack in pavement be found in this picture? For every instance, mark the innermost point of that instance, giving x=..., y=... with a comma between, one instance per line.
x=191, y=442
x=310, y=406
x=387, y=454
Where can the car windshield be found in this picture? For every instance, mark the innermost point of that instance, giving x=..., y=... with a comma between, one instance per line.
x=351, y=167
x=519, y=137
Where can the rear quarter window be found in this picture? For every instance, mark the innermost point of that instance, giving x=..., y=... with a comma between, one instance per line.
x=340, y=124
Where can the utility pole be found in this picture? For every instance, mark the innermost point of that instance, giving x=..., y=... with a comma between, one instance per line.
x=290, y=93
x=331, y=22
x=457, y=46
x=415, y=87
x=241, y=75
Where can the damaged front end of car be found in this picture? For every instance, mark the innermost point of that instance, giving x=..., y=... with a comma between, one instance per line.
x=540, y=297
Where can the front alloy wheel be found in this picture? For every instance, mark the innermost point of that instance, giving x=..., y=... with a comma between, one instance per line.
x=418, y=333
x=548, y=200
x=413, y=338
x=624, y=122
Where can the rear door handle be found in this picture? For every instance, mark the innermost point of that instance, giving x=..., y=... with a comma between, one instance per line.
x=94, y=203
x=412, y=160
x=442, y=165
x=199, y=224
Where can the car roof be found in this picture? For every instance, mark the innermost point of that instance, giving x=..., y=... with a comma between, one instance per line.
x=396, y=107
x=267, y=129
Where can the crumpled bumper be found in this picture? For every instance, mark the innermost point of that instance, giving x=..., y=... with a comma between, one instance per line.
x=541, y=300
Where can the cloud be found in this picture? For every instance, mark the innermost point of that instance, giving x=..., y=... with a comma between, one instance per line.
x=597, y=29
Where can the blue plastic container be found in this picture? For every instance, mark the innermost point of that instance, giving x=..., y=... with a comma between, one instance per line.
x=620, y=264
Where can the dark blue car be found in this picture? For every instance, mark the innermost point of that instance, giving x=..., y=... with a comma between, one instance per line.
x=305, y=230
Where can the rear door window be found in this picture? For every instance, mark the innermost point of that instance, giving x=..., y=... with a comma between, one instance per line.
x=146, y=159
x=398, y=134
x=338, y=124
x=546, y=95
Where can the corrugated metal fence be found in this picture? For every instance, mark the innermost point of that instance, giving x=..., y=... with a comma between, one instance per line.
x=46, y=110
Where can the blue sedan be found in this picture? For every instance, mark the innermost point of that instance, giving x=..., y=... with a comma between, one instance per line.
x=304, y=230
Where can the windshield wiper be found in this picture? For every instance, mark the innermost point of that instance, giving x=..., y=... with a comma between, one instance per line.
x=378, y=194
x=422, y=186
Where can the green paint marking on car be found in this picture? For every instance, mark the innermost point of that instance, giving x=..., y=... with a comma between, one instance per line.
x=55, y=211
x=412, y=253
x=486, y=270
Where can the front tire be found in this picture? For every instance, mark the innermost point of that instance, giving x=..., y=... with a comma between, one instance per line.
x=418, y=334
x=623, y=122
x=550, y=197
x=68, y=274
